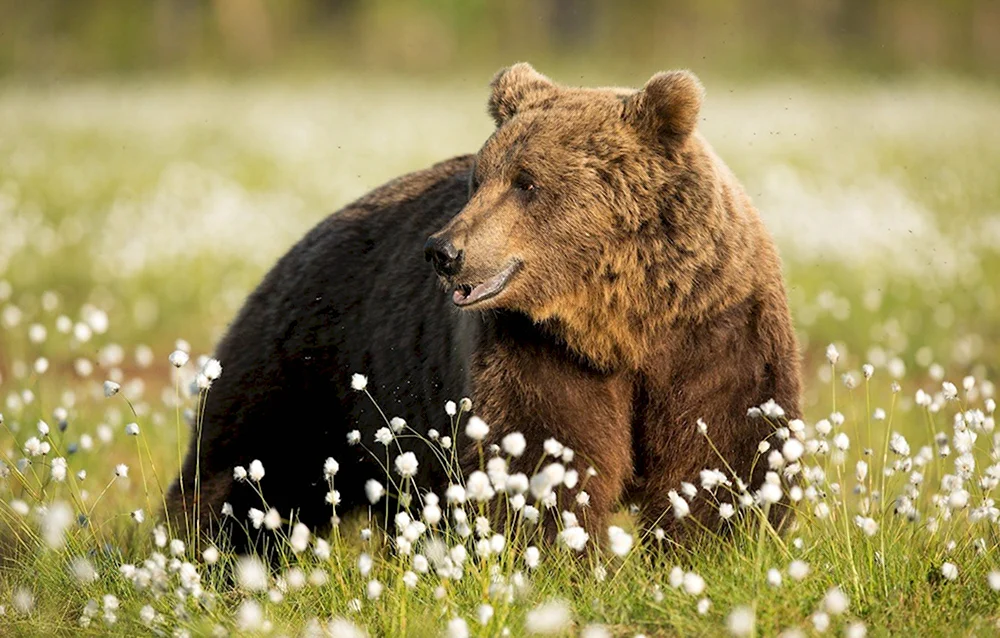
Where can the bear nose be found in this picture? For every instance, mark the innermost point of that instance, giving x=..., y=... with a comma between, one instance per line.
x=446, y=258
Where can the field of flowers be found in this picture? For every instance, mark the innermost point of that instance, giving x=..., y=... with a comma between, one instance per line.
x=135, y=217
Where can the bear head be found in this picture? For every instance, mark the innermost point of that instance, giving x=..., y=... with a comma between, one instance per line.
x=600, y=212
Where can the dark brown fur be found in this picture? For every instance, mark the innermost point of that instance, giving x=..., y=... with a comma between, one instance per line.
x=648, y=294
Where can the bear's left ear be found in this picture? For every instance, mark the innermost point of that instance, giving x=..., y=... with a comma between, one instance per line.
x=512, y=87
x=667, y=108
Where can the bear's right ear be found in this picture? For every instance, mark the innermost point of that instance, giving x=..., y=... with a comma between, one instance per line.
x=667, y=108
x=512, y=86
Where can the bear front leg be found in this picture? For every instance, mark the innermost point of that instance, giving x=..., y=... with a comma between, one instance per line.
x=585, y=418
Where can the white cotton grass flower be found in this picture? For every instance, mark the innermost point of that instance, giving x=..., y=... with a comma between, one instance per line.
x=450, y=408
x=138, y=516
x=553, y=447
x=993, y=578
x=330, y=468
x=121, y=471
x=333, y=498
x=949, y=391
x=949, y=571
x=832, y=355
x=476, y=429
x=549, y=618
x=256, y=471
x=693, y=584
x=255, y=515
x=179, y=358
x=272, y=519
x=514, y=444
x=58, y=469
x=678, y=504
x=23, y=601
x=406, y=465
x=251, y=574
x=211, y=554
x=484, y=613
x=620, y=541
x=574, y=537
x=132, y=429
x=374, y=491
x=359, y=382
x=82, y=570
x=478, y=487
x=740, y=621
x=835, y=602
x=397, y=424
x=239, y=473
x=774, y=577
x=792, y=450
x=343, y=628
x=111, y=388
x=374, y=589
x=798, y=570
x=856, y=629
x=299, y=539
x=384, y=436
x=250, y=616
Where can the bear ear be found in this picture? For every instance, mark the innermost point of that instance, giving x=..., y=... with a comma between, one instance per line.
x=667, y=107
x=512, y=86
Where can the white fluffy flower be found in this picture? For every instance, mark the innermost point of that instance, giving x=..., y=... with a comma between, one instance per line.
x=383, y=436
x=240, y=473
x=832, y=355
x=835, y=602
x=620, y=540
x=514, y=444
x=740, y=621
x=251, y=574
x=693, y=584
x=299, y=540
x=549, y=618
x=678, y=504
x=359, y=382
x=256, y=471
x=178, y=358
x=476, y=429
x=478, y=487
x=798, y=569
x=574, y=537
x=374, y=491
x=111, y=388
x=553, y=447
x=406, y=464
x=121, y=470
x=330, y=468
x=949, y=571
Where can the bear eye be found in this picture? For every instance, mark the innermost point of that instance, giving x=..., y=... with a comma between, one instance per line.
x=525, y=183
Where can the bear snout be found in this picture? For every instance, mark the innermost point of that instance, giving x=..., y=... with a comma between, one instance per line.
x=447, y=259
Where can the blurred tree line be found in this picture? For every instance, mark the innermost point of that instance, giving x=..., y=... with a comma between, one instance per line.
x=440, y=36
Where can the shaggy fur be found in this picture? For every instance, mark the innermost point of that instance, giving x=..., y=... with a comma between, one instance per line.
x=646, y=294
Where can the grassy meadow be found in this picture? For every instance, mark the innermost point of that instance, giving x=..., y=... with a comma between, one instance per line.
x=136, y=216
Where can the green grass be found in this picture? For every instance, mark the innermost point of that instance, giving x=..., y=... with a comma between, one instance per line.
x=162, y=204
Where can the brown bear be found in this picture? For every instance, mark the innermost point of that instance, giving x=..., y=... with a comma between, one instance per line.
x=608, y=284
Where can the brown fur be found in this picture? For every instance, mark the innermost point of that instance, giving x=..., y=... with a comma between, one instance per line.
x=647, y=294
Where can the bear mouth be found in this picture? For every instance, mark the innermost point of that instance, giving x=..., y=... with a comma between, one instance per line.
x=468, y=294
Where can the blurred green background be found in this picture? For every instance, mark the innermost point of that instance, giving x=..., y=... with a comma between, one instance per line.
x=735, y=37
